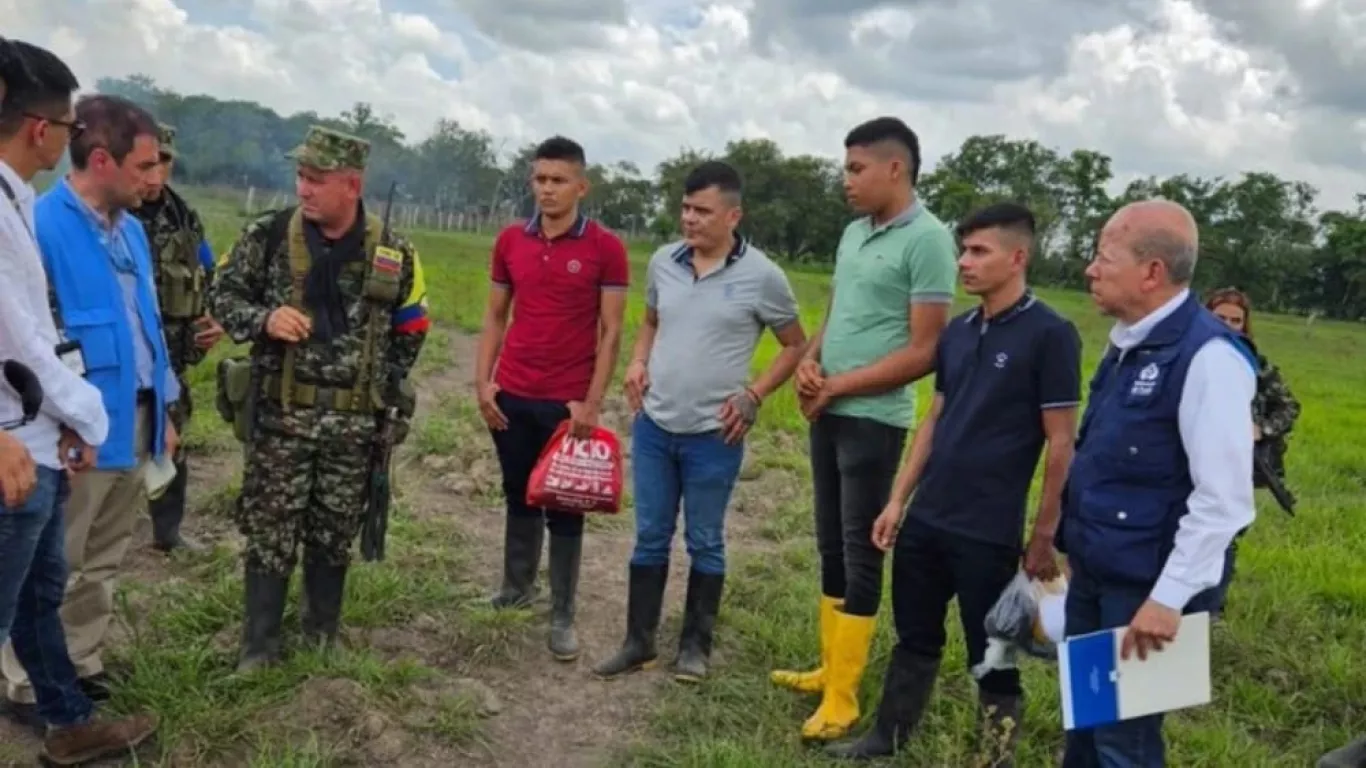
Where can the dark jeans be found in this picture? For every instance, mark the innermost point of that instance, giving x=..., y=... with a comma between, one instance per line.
x=929, y=568
x=32, y=585
x=698, y=470
x=530, y=425
x=1093, y=605
x=853, y=464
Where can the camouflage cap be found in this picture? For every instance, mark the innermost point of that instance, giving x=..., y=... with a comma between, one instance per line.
x=166, y=137
x=330, y=150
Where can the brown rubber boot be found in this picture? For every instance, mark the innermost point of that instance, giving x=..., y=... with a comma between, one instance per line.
x=77, y=744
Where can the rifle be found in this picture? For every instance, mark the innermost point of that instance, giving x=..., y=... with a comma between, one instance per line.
x=376, y=522
x=1264, y=474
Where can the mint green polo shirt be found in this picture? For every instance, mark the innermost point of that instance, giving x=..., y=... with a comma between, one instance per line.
x=879, y=273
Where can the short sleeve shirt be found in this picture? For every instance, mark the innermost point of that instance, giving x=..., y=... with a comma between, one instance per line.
x=556, y=283
x=880, y=271
x=997, y=377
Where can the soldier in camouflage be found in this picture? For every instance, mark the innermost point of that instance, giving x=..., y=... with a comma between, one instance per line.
x=336, y=314
x=183, y=264
x=1274, y=407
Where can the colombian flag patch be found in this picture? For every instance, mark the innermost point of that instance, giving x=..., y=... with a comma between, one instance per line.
x=388, y=260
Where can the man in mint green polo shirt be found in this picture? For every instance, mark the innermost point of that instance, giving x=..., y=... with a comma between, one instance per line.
x=895, y=275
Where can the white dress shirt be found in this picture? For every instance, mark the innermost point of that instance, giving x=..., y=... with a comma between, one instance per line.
x=29, y=335
x=1215, y=421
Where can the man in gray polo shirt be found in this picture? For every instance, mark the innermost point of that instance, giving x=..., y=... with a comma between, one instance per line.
x=708, y=300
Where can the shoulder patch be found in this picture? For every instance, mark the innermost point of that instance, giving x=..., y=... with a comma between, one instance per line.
x=388, y=260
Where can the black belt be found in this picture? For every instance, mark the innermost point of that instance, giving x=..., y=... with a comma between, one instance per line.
x=147, y=397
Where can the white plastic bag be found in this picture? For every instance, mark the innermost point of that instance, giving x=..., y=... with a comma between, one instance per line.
x=1028, y=616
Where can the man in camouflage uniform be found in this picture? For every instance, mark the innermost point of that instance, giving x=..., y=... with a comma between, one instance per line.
x=183, y=264
x=336, y=314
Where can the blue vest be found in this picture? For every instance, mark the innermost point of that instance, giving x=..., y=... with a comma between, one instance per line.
x=1127, y=487
x=90, y=301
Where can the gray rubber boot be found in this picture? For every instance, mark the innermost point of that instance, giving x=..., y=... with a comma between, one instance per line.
x=701, y=605
x=1352, y=755
x=324, y=590
x=564, y=586
x=522, y=539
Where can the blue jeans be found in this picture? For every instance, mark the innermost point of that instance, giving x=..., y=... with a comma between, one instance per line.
x=32, y=584
x=1094, y=605
x=700, y=469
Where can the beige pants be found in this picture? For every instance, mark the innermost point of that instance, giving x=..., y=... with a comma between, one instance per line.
x=100, y=516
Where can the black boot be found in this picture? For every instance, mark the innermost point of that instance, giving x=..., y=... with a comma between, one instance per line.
x=168, y=511
x=999, y=718
x=643, y=605
x=265, y=594
x=905, y=692
x=699, y=619
x=324, y=589
x=521, y=558
x=564, y=585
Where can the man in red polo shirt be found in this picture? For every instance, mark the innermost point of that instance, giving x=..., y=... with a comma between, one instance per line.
x=568, y=277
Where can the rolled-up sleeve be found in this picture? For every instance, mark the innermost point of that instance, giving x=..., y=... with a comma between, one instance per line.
x=1215, y=421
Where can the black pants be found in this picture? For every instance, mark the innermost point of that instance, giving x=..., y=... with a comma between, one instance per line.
x=853, y=464
x=168, y=510
x=530, y=425
x=929, y=568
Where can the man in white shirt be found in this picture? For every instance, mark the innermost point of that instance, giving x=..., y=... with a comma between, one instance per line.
x=1162, y=476
x=36, y=124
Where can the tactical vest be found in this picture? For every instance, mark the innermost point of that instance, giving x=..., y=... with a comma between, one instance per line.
x=382, y=268
x=1127, y=487
x=180, y=277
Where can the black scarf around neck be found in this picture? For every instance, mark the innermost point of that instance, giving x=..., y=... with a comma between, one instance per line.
x=322, y=286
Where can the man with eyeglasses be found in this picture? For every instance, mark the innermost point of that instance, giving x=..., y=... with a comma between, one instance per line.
x=35, y=128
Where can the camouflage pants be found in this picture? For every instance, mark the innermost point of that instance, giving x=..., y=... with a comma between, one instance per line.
x=297, y=492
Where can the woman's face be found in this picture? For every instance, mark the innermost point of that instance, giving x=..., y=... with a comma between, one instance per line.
x=1232, y=315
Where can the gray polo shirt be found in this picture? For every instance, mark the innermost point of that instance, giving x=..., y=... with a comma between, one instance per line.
x=708, y=330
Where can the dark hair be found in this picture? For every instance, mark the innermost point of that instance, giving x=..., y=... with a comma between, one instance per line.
x=1238, y=299
x=1005, y=215
x=560, y=148
x=32, y=80
x=887, y=129
x=714, y=173
x=111, y=122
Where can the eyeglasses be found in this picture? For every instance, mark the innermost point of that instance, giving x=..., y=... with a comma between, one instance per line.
x=76, y=127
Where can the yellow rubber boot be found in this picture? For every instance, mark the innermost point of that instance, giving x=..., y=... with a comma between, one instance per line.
x=839, y=711
x=813, y=681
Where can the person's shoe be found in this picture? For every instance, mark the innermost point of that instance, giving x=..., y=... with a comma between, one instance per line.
x=265, y=595
x=324, y=589
x=838, y=710
x=77, y=744
x=23, y=715
x=813, y=681
x=999, y=717
x=905, y=693
x=564, y=586
x=1352, y=755
x=644, y=602
x=699, y=620
x=181, y=543
x=522, y=540
x=96, y=687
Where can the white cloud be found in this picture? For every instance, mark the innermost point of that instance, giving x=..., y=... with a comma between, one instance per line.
x=1161, y=89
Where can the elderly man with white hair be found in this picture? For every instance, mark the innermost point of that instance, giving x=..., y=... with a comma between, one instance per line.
x=1161, y=478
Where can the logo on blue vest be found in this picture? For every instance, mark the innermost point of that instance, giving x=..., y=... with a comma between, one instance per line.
x=1001, y=359
x=1146, y=381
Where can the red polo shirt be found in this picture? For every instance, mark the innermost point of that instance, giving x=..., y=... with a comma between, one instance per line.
x=556, y=284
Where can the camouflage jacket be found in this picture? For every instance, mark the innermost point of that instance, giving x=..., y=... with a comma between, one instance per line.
x=1274, y=408
x=254, y=279
x=175, y=231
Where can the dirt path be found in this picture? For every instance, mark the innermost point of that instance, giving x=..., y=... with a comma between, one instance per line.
x=550, y=713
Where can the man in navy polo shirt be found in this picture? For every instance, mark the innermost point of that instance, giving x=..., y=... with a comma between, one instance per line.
x=1007, y=381
x=568, y=277
x=1161, y=482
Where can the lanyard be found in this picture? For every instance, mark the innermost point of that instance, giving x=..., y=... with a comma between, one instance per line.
x=51, y=289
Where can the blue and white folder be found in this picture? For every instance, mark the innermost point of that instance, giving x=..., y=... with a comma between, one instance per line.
x=1098, y=687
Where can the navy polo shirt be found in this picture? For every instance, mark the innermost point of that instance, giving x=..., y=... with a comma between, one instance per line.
x=996, y=376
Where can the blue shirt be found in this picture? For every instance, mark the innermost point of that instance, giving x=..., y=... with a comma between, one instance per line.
x=996, y=375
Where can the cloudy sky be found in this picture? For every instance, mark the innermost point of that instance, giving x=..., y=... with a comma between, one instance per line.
x=1163, y=86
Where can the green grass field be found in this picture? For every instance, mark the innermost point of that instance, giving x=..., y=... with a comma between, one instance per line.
x=1290, y=675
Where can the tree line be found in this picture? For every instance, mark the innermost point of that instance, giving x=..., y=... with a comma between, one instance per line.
x=1259, y=232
